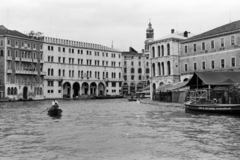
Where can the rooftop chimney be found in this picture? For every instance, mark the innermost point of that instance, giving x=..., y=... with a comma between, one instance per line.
x=172, y=31
x=185, y=34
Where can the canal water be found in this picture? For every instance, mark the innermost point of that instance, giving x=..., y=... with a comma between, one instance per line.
x=114, y=130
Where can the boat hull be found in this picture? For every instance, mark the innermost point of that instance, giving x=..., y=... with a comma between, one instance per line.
x=55, y=112
x=214, y=108
x=130, y=100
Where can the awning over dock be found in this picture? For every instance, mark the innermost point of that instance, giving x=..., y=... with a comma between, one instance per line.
x=214, y=78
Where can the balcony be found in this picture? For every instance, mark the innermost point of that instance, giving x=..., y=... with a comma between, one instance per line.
x=26, y=72
x=9, y=58
x=41, y=61
x=26, y=59
x=9, y=70
x=43, y=73
x=17, y=58
x=59, y=78
x=35, y=60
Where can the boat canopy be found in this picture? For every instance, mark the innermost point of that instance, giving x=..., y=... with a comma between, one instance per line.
x=214, y=78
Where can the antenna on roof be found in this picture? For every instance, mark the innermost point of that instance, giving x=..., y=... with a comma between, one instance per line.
x=7, y=17
x=230, y=15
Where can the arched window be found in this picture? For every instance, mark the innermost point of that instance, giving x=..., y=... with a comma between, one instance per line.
x=9, y=91
x=16, y=53
x=106, y=74
x=162, y=69
x=52, y=72
x=153, y=69
x=153, y=52
x=16, y=92
x=59, y=72
x=1, y=53
x=12, y=91
x=168, y=49
x=132, y=70
x=132, y=63
x=9, y=53
x=169, y=68
x=41, y=91
x=159, y=69
x=147, y=70
x=147, y=64
x=35, y=91
x=139, y=70
x=159, y=51
x=139, y=63
x=63, y=73
x=162, y=50
x=49, y=72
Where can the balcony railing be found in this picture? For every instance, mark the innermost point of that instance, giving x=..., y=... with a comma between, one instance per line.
x=43, y=73
x=9, y=70
x=35, y=60
x=26, y=59
x=17, y=58
x=9, y=58
x=26, y=72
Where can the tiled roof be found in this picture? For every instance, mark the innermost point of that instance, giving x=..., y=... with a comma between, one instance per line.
x=234, y=26
x=5, y=31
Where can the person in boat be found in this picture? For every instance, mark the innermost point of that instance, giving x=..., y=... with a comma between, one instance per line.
x=55, y=105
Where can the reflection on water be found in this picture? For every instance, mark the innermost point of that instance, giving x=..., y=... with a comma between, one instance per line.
x=114, y=129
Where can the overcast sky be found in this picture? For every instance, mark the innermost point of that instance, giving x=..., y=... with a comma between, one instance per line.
x=122, y=21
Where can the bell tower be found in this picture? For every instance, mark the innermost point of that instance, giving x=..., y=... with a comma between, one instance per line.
x=149, y=36
x=150, y=31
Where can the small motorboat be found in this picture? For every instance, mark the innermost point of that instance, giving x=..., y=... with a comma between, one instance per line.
x=55, y=112
x=132, y=99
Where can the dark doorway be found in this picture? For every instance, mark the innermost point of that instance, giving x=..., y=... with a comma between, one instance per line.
x=25, y=93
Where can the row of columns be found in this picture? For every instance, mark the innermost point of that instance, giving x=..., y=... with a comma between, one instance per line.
x=161, y=68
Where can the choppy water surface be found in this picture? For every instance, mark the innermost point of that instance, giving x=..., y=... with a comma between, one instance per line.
x=114, y=130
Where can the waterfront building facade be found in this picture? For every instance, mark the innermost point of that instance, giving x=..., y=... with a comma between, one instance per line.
x=135, y=72
x=214, y=50
x=78, y=68
x=21, y=66
x=164, y=56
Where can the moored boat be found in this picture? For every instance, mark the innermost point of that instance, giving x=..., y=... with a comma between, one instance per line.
x=109, y=97
x=55, y=112
x=132, y=99
x=211, y=107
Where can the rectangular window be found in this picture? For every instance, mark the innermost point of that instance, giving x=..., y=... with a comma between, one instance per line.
x=63, y=49
x=232, y=40
x=203, y=46
x=194, y=47
x=59, y=49
x=186, y=67
x=212, y=64
x=233, y=59
x=132, y=77
x=203, y=65
x=59, y=59
x=212, y=44
x=222, y=63
x=63, y=59
x=194, y=66
x=113, y=84
x=222, y=42
x=186, y=49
